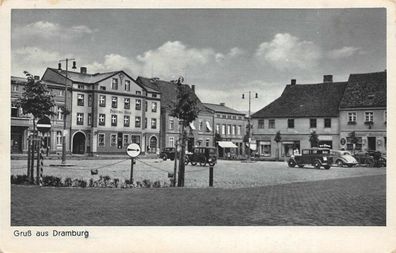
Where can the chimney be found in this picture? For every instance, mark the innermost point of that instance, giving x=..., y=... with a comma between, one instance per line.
x=83, y=70
x=293, y=82
x=328, y=78
x=36, y=77
x=193, y=87
x=222, y=104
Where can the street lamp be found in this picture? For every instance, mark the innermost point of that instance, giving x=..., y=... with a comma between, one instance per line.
x=249, y=125
x=65, y=105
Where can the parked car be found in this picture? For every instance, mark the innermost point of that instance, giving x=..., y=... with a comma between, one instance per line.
x=371, y=158
x=342, y=157
x=317, y=157
x=168, y=153
x=202, y=155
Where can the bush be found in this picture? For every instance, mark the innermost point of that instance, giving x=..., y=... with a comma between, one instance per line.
x=157, y=184
x=68, y=182
x=19, y=179
x=91, y=182
x=82, y=183
x=52, y=181
x=147, y=183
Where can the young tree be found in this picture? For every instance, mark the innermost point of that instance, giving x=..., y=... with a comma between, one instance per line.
x=277, y=139
x=354, y=140
x=314, y=139
x=37, y=101
x=186, y=110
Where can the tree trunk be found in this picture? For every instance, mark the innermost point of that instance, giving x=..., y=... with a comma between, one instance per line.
x=180, y=180
x=34, y=144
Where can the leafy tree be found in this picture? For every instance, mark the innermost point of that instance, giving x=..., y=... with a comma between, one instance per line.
x=354, y=139
x=217, y=138
x=186, y=110
x=278, y=139
x=314, y=139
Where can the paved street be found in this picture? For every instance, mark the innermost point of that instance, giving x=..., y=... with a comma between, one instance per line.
x=227, y=174
x=350, y=201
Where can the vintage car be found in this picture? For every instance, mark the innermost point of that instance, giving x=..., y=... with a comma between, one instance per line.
x=317, y=157
x=341, y=158
x=201, y=155
x=168, y=153
x=371, y=158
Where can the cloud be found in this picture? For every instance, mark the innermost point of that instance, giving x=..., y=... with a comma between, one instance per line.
x=344, y=52
x=287, y=52
x=114, y=62
x=47, y=30
x=34, y=60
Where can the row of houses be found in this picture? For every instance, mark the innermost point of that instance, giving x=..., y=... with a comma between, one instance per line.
x=110, y=110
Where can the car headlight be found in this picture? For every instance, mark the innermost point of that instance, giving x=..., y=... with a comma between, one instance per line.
x=324, y=158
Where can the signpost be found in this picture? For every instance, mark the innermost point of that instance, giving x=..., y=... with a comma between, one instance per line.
x=133, y=150
x=44, y=124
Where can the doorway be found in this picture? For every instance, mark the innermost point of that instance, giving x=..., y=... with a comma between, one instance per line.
x=79, y=143
x=153, y=144
x=371, y=143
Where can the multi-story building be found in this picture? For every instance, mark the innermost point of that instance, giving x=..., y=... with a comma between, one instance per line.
x=363, y=111
x=300, y=110
x=230, y=124
x=200, y=132
x=107, y=111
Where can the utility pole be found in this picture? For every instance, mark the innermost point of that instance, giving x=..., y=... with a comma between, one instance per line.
x=249, y=124
x=65, y=106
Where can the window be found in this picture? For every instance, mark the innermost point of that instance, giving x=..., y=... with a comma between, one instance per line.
x=114, y=102
x=228, y=129
x=61, y=93
x=89, y=119
x=145, y=122
x=290, y=123
x=145, y=105
x=385, y=116
x=113, y=140
x=207, y=142
x=265, y=148
x=171, y=124
x=223, y=129
x=171, y=142
x=127, y=85
x=271, y=124
x=154, y=95
x=138, y=92
x=223, y=116
x=228, y=116
x=261, y=123
x=14, y=87
x=81, y=86
x=80, y=118
x=153, y=107
x=80, y=99
x=368, y=116
x=60, y=114
x=127, y=104
x=89, y=100
x=135, y=139
x=14, y=110
x=126, y=140
x=102, y=119
x=233, y=130
x=327, y=123
x=233, y=117
x=58, y=138
x=138, y=105
x=153, y=123
x=239, y=130
x=312, y=123
x=137, y=121
x=126, y=121
x=114, y=84
x=352, y=117
x=200, y=125
x=101, y=140
x=102, y=87
x=358, y=144
x=217, y=128
x=113, y=120
x=102, y=100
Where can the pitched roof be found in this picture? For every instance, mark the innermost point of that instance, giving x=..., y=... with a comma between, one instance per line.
x=168, y=91
x=305, y=100
x=222, y=108
x=19, y=80
x=84, y=78
x=365, y=90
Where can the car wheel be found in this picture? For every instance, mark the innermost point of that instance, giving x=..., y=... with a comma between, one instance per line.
x=340, y=163
x=193, y=163
x=164, y=157
x=350, y=165
x=316, y=164
x=203, y=162
x=291, y=163
x=327, y=167
x=212, y=163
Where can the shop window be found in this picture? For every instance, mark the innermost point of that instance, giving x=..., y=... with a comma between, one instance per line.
x=265, y=148
x=101, y=140
x=358, y=144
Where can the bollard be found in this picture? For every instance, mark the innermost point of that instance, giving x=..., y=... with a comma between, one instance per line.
x=210, y=176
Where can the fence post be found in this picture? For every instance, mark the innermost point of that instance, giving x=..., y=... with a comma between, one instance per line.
x=28, y=161
x=210, y=175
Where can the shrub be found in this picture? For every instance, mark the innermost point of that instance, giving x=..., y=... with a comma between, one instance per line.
x=147, y=183
x=91, y=182
x=68, y=182
x=51, y=181
x=19, y=179
x=82, y=183
x=157, y=184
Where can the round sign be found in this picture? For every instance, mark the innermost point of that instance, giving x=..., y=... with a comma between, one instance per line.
x=44, y=124
x=133, y=150
x=343, y=141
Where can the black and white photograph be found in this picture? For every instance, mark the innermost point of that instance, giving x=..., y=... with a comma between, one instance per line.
x=199, y=118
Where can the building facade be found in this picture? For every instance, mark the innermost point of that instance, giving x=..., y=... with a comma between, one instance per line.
x=363, y=111
x=300, y=110
x=230, y=124
x=107, y=111
x=199, y=133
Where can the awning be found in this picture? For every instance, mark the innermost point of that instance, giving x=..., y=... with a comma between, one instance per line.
x=192, y=125
x=227, y=144
x=208, y=126
x=253, y=146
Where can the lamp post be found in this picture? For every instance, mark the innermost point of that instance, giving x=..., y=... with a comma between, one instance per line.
x=65, y=105
x=249, y=125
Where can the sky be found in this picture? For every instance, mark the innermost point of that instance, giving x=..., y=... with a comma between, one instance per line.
x=223, y=52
